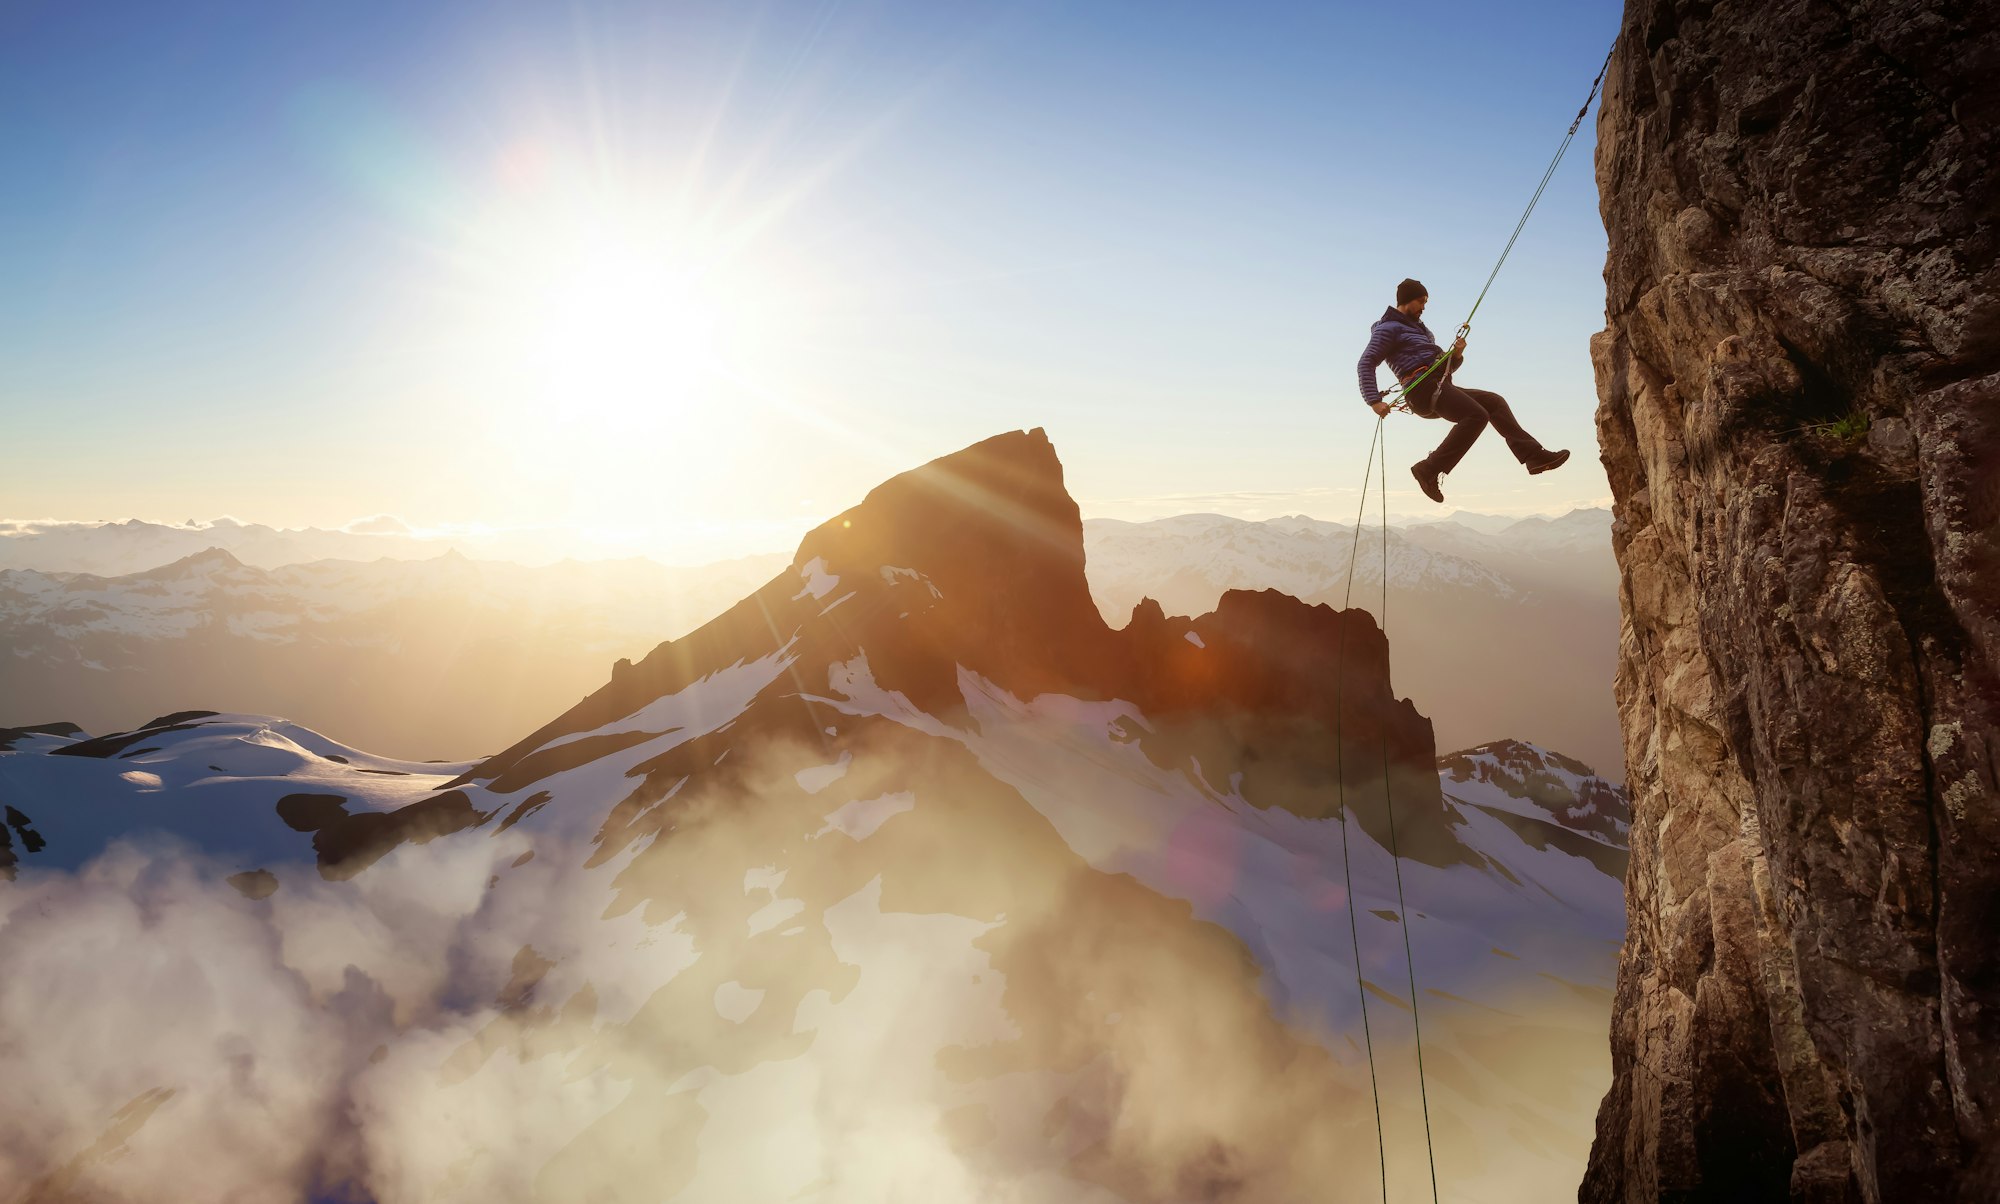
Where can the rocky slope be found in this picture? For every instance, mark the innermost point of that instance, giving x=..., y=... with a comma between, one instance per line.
x=1799, y=411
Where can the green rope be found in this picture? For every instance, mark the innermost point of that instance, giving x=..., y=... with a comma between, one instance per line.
x=1543, y=186
x=1396, y=857
x=1409, y=387
x=1378, y=448
x=1340, y=787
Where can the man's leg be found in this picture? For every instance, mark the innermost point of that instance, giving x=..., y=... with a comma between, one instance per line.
x=1526, y=447
x=1467, y=418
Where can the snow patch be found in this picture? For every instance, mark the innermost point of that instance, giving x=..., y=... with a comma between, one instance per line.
x=859, y=819
x=891, y=572
x=819, y=582
x=815, y=778
x=736, y=1003
x=777, y=911
x=700, y=708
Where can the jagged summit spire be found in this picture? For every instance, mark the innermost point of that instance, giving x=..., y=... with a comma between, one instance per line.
x=974, y=564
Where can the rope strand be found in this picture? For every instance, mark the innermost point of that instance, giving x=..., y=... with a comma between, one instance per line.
x=1340, y=787
x=1408, y=387
x=1542, y=187
x=1389, y=802
x=1378, y=449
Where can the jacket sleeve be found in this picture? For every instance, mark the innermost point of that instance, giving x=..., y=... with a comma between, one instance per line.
x=1371, y=356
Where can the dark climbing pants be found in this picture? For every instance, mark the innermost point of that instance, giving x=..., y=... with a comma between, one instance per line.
x=1470, y=411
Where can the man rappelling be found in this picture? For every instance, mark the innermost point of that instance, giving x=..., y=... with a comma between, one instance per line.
x=1401, y=338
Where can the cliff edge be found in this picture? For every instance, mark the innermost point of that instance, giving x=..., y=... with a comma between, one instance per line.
x=1799, y=386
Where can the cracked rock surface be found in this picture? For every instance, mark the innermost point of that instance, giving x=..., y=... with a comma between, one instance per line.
x=1799, y=409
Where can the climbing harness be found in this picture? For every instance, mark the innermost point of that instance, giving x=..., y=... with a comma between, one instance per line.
x=1378, y=453
x=1464, y=328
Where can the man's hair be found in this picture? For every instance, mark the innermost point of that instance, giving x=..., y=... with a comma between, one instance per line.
x=1410, y=290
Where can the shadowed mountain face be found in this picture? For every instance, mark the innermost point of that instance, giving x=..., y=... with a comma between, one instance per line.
x=1514, y=628
x=906, y=878
x=1001, y=595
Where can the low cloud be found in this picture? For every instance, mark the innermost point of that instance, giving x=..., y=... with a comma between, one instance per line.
x=709, y=996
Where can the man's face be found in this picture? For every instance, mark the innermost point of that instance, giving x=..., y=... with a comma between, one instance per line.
x=1416, y=308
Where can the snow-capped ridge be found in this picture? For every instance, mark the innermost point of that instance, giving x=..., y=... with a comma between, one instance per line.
x=1537, y=783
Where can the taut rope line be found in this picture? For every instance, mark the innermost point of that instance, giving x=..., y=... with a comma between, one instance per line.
x=1378, y=449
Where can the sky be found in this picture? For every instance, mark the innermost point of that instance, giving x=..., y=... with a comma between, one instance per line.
x=694, y=276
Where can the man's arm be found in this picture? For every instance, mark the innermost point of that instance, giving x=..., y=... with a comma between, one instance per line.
x=1372, y=356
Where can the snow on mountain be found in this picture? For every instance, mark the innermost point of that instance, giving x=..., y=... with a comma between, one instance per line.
x=1513, y=778
x=198, y=776
x=1487, y=524
x=623, y=596
x=1570, y=553
x=907, y=877
x=135, y=545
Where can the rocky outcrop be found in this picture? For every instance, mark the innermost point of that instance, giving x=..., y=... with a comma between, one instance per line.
x=974, y=563
x=1799, y=411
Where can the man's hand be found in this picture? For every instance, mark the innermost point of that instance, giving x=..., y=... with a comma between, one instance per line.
x=1380, y=407
x=1459, y=345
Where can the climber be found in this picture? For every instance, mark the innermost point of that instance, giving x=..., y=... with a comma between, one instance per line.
x=1401, y=338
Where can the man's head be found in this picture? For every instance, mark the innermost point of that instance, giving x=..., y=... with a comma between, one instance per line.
x=1411, y=297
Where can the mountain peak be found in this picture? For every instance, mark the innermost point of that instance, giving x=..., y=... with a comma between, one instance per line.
x=998, y=541
x=207, y=561
x=1566, y=789
x=974, y=559
x=1000, y=494
x=973, y=564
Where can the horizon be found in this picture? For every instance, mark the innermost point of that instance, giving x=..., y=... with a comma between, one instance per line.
x=566, y=548
x=688, y=276
x=713, y=601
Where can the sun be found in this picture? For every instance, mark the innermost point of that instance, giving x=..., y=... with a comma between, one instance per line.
x=621, y=332
x=591, y=319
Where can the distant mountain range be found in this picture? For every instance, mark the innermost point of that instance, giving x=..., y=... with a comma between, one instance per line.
x=116, y=549
x=420, y=658
x=1506, y=628
x=907, y=876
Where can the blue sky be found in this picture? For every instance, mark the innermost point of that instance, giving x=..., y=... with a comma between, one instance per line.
x=306, y=266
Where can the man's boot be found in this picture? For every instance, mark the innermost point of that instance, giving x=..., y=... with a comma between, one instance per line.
x=1427, y=479
x=1547, y=460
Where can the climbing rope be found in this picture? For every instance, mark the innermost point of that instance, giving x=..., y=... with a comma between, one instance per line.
x=1340, y=787
x=1378, y=452
x=1464, y=328
x=1378, y=448
x=1389, y=803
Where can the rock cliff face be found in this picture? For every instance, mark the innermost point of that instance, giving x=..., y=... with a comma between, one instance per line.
x=1799, y=410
